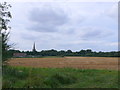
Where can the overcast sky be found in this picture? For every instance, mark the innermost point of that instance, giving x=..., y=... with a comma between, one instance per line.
x=63, y=26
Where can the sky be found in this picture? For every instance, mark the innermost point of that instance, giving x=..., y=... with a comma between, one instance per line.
x=64, y=26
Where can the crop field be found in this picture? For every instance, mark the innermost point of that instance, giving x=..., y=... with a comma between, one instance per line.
x=110, y=63
x=61, y=72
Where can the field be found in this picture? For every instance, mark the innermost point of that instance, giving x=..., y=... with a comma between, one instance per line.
x=27, y=77
x=61, y=72
x=73, y=62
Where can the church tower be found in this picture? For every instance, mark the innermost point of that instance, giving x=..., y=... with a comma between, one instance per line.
x=34, y=49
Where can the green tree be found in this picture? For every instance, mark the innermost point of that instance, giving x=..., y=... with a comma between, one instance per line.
x=5, y=17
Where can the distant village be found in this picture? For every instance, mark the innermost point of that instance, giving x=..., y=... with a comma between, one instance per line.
x=19, y=54
x=62, y=53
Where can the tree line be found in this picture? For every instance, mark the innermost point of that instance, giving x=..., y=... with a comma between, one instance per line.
x=63, y=53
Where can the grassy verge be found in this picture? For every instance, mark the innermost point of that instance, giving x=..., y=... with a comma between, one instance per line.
x=21, y=77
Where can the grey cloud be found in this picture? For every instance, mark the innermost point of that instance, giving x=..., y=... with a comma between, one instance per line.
x=113, y=12
x=28, y=36
x=96, y=33
x=43, y=28
x=79, y=46
x=92, y=34
x=47, y=19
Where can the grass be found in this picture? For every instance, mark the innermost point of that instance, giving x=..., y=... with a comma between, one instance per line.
x=23, y=77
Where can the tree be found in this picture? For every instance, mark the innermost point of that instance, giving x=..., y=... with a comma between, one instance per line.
x=68, y=51
x=82, y=52
x=89, y=51
x=5, y=17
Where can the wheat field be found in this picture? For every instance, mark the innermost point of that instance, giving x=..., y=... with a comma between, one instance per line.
x=110, y=63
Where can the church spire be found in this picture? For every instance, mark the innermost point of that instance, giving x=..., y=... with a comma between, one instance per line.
x=34, y=49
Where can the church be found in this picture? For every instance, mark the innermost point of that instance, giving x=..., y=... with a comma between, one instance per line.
x=25, y=54
x=34, y=48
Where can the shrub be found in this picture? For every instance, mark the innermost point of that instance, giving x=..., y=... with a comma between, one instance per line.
x=16, y=73
x=57, y=79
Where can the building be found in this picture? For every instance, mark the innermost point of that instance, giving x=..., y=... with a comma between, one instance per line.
x=19, y=54
x=34, y=48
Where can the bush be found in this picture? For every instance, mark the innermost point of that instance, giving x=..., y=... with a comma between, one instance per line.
x=59, y=79
x=16, y=73
x=35, y=82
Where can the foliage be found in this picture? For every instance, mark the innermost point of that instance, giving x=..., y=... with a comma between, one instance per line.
x=5, y=16
x=5, y=46
x=62, y=53
x=59, y=79
x=21, y=77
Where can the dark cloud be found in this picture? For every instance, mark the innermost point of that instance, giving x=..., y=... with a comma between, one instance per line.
x=47, y=19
